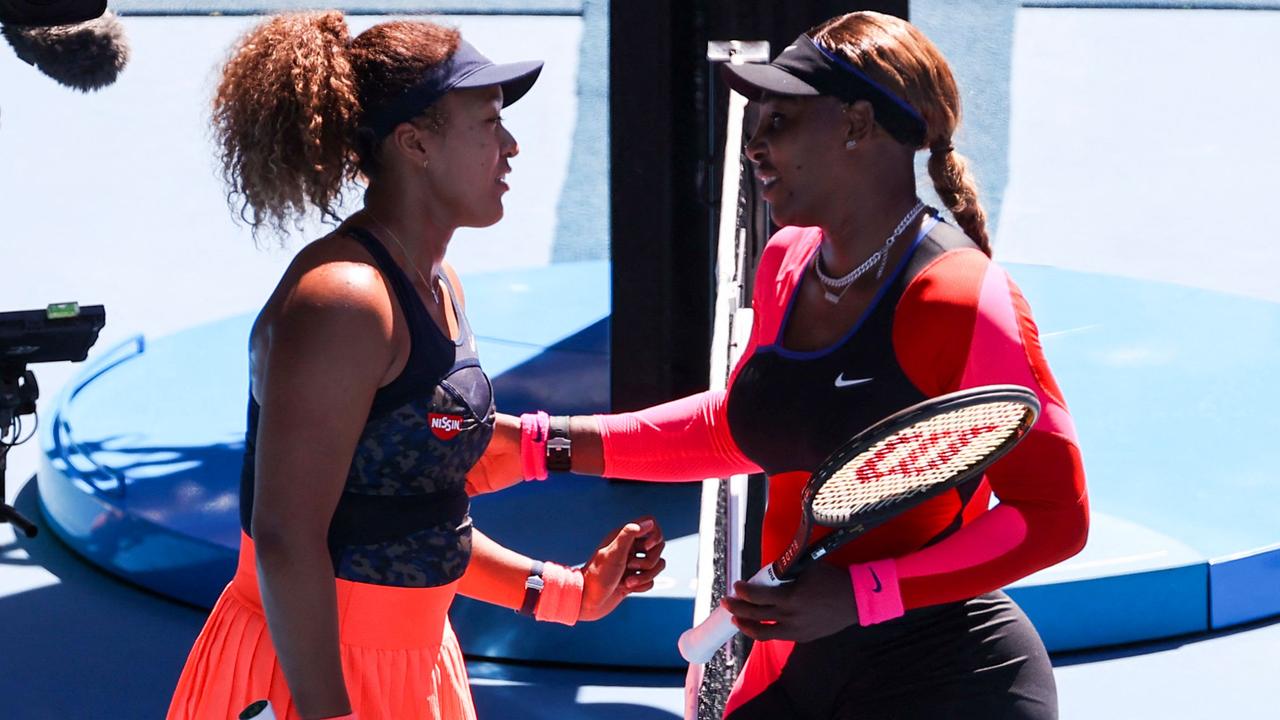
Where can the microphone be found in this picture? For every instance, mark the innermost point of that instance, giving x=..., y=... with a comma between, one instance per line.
x=85, y=56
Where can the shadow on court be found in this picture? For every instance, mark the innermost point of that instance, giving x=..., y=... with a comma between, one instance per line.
x=531, y=702
x=89, y=646
x=538, y=691
x=1083, y=657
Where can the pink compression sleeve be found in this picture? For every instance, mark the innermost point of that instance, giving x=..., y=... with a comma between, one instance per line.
x=1043, y=514
x=689, y=439
x=682, y=440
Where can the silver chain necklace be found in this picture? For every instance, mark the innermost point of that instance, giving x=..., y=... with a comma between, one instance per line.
x=833, y=289
x=435, y=291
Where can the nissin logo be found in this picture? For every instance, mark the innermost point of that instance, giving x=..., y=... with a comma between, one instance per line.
x=445, y=427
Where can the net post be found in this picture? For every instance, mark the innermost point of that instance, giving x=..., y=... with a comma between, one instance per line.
x=724, y=505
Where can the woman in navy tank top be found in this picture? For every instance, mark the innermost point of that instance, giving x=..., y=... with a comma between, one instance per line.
x=368, y=406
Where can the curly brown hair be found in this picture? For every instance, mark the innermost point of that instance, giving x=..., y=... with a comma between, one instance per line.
x=899, y=57
x=287, y=114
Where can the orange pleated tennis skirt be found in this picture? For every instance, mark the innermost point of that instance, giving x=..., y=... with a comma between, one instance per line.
x=400, y=657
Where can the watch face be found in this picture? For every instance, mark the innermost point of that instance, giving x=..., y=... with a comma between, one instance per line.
x=534, y=583
x=559, y=444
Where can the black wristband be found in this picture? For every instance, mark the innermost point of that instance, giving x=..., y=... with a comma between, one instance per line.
x=559, y=444
x=532, y=590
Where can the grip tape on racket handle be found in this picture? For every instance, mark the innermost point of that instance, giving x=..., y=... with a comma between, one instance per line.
x=698, y=644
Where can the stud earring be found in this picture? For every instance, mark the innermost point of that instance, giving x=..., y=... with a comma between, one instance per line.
x=851, y=145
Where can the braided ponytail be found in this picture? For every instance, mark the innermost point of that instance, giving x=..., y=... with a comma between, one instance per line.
x=900, y=58
x=284, y=116
x=959, y=191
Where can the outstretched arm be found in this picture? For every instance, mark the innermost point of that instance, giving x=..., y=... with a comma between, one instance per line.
x=682, y=440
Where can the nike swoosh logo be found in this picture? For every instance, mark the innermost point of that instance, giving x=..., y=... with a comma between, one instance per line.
x=875, y=577
x=841, y=382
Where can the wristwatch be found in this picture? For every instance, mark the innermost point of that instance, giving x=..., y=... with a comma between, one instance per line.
x=532, y=590
x=559, y=445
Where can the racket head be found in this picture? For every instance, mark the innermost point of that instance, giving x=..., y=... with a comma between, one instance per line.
x=918, y=453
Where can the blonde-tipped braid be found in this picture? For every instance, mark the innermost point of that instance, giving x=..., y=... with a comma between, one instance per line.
x=900, y=58
x=958, y=190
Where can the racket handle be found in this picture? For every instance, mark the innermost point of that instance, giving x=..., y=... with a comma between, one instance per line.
x=698, y=644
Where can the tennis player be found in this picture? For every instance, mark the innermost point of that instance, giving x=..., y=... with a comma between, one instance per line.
x=866, y=302
x=368, y=405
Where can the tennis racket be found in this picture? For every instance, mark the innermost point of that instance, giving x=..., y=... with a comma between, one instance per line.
x=897, y=463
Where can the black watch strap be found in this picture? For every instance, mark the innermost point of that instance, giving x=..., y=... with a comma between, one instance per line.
x=559, y=445
x=532, y=590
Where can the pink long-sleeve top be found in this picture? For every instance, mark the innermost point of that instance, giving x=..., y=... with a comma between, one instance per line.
x=947, y=318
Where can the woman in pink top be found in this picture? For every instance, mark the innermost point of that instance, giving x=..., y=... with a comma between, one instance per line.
x=865, y=302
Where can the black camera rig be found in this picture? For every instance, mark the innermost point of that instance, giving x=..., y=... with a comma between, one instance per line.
x=60, y=332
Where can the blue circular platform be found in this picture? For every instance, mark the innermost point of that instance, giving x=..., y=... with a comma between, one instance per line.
x=1168, y=385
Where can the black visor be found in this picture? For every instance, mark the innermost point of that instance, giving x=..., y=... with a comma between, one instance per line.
x=805, y=68
x=465, y=68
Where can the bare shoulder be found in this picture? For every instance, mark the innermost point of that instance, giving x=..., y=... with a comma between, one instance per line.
x=455, y=283
x=333, y=296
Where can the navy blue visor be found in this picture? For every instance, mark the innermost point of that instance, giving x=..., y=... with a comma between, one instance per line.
x=465, y=68
x=806, y=68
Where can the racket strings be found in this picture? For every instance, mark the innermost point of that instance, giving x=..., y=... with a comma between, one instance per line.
x=916, y=458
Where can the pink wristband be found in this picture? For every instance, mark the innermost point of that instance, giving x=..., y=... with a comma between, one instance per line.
x=533, y=445
x=876, y=590
x=561, y=599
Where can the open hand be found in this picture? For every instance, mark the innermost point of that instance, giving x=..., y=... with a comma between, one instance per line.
x=626, y=562
x=818, y=603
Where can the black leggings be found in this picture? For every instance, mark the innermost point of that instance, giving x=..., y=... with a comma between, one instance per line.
x=980, y=658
